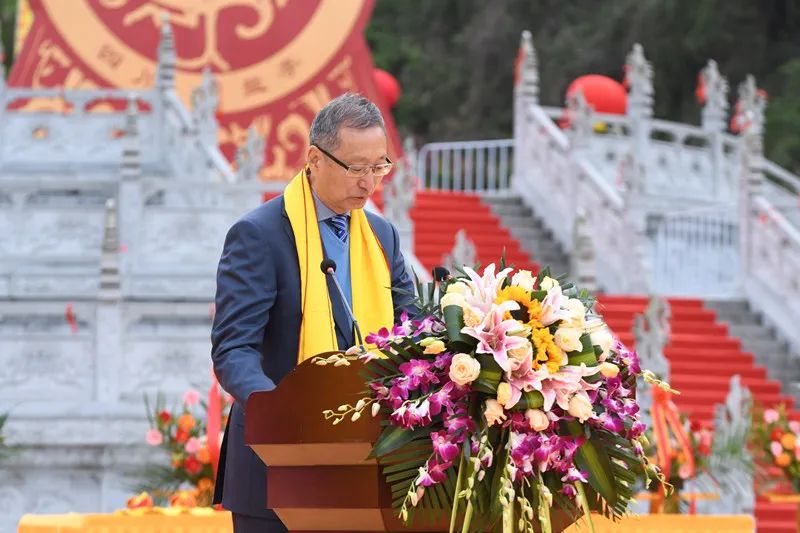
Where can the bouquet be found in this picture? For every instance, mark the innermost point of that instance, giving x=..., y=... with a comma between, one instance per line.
x=504, y=398
x=685, y=451
x=182, y=433
x=778, y=438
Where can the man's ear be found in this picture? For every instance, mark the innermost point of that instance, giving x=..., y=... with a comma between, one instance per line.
x=314, y=158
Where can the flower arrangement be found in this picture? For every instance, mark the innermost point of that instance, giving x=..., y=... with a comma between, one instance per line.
x=505, y=397
x=778, y=438
x=688, y=447
x=182, y=433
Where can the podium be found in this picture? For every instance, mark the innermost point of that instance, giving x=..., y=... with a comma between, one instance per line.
x=320, y=479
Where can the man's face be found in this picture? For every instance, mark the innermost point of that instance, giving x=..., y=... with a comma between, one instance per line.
x=331, y=182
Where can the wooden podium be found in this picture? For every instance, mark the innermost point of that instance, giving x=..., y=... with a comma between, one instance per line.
x=320, y=479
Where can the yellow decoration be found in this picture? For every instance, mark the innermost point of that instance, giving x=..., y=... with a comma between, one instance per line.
x=371, y=284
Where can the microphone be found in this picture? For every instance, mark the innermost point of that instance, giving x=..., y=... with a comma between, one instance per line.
x=328, y=267
x=440, y=273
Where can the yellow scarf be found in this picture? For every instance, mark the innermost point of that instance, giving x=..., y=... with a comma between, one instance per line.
x=371, y=284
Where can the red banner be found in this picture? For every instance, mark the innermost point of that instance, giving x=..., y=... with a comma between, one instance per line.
x=277, y=62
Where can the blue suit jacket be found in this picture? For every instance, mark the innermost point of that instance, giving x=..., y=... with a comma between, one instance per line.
x=256, y=331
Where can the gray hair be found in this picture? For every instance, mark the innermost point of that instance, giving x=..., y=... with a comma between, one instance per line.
x=349, y=110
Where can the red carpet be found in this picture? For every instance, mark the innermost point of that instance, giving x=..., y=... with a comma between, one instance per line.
x=438, y=216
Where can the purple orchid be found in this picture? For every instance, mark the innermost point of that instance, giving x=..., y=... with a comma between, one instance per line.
x=443, y=447
x=418, y=372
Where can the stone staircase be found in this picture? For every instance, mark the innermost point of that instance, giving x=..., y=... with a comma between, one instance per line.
x=763, y=341
x=529, y=231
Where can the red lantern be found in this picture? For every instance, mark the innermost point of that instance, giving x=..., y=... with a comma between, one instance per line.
x=603, y=94
x=388, y=86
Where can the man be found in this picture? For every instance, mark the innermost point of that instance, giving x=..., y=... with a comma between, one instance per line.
x=275, y=307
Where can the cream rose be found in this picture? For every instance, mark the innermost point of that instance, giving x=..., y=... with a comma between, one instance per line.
x=609, y=370
x=568, y=339
x=522, y=353
x=494, y=412
x=452, y=298
x=503, y=393
x=602, y=337
x=464, y=369
x=548, y=283
x=537, y=419
x=434, y=348
x=472, y=316
x=458, y=288
x=577, y=312
x=580, y=407
x=524, y=279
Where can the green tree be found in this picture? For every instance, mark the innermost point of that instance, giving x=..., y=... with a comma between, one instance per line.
x=454, y=58
x=8, y=17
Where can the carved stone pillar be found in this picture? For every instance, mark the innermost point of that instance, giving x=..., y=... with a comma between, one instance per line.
x=526, y=93
x=731, y=464
x=165, y=78
x=583, y=267
x=633, y=177
x=108, y=321
x=129, y=207
x=750, y=115
x=463, y=253
x=204, y=109
x=250, y=157
x=715, y=112
x=639, y=77
x=651, y=331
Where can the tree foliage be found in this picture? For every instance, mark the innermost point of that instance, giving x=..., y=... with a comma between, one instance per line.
x=454, y=58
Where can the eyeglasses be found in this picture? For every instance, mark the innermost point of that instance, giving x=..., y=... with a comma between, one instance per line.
x=358, y=171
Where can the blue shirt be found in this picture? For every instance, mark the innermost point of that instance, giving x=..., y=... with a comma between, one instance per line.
x=334, y=248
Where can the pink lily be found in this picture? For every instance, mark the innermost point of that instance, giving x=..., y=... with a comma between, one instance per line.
x=551, y=307
x=559, y=387
x=493, y=334
x=484, y=288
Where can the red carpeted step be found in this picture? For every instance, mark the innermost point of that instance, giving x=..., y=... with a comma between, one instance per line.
x=776, y=511
x=744, y=369
x=677, y=326
x=688, y=383
x=768, y=525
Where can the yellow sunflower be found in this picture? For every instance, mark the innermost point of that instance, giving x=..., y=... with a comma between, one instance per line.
x=530, y=309
x=546, y=352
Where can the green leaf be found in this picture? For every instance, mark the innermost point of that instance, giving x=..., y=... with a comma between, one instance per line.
x=393, y=438
x=530, y=400
x=592, y=457
x=587, y=354
x=454, y=321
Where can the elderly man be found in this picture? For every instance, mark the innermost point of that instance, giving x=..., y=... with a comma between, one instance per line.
x=274, y=305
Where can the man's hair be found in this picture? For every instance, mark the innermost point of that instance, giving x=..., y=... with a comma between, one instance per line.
x=349, y=110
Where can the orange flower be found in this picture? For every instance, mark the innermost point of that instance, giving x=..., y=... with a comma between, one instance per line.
x=141, y=500
x=183, y=498
x=789, y=441
x=204, y=455
x=783, y=460
x=204, y=484
x=186, y=422
x=181, y=436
